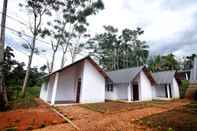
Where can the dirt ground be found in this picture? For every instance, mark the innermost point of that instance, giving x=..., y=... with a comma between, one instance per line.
x=30, y=118
x=90, y=120
x=179, y=119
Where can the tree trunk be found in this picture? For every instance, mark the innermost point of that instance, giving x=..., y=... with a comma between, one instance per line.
x=28, y=68
x=52, y=62
x=63, y=60
x=63, y=56
x=3, y=93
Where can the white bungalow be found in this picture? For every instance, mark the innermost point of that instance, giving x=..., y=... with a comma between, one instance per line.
x=167, y=86
x=80, y=82
x=132, y=84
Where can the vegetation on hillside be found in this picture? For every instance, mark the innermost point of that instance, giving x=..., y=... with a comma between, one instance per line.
x=14, y=72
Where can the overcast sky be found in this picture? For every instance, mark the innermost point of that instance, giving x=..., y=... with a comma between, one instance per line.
x=170, y=25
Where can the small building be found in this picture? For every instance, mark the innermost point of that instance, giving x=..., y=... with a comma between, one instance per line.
x=80, y=82
x=132, y=84
x=167, y=86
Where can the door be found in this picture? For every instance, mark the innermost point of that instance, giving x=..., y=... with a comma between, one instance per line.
x=170, y=90
x=135, y=92
x=78, y=90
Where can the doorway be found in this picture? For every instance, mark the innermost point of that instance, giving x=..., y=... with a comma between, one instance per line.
x=135, y=92
x=78, y=90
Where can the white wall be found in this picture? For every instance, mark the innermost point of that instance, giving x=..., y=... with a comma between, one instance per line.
x=160, y=91
x=93, y=85
x=43, y=91
x=67, y=84
x=146, y=91
x=120, y=92
x=50, y=87
x=65, y=88
x=175, y=90
x=145, y=88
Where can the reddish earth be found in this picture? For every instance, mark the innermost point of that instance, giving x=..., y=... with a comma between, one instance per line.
x=91, y=120
x=31, y=118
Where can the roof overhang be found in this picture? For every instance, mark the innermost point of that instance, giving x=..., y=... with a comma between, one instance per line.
x=148, y=74
x=88, y=58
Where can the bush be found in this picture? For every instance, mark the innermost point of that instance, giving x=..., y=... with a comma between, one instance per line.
x=33, y=91
x=183, y=89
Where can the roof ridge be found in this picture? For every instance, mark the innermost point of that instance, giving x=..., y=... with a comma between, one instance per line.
x=164, y=71
x=125, y=69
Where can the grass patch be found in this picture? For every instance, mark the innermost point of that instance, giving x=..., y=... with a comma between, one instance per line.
x=181, y=119
x=21, y=103
x=115, y=106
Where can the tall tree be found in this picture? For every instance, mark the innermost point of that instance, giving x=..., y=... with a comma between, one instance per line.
x=119, y=50
x=78, y=45
x=154, y=63
x=169, y=62
x=74, y=16
x=15, y=71
x=3, y=93
x=38, y=8
x=52, y=30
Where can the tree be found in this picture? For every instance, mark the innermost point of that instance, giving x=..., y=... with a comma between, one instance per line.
x=73, y=19
x=38, y=8
x=188, y=62
x=3, y=94
x=140, y=48
x=104, y=47
x=154, y=63
x=14, y=70
x=78, y=45
x=119, y=50
x=169, y=62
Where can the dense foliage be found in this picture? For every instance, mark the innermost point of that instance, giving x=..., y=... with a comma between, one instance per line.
x=170, y=62
x=14, y=73
x=117, y=50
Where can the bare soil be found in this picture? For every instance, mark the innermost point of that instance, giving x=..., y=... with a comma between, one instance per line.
x=88, y=119
x=29, y=118
x=179, y=119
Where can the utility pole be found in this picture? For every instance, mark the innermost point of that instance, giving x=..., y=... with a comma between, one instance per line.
x=3, y=93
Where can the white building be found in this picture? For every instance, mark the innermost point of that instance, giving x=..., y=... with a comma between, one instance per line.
x=80, y=82
x=132, y=84
x=167, y=86
x=193, y=75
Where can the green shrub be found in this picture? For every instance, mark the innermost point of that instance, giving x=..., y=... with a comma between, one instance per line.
x=33, y=91
x=183, y=89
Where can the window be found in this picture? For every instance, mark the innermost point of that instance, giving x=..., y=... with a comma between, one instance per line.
x=110, y=87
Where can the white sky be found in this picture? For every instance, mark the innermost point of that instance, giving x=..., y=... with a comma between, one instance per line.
x=170, y=25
